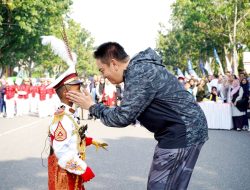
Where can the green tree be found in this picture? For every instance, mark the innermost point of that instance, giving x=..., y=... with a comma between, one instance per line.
x=21, y=25
x=198, y=26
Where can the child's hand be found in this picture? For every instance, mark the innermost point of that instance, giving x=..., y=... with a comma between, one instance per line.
x=98, y=145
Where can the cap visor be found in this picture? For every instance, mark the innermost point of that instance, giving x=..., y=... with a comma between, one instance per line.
x=74, y=82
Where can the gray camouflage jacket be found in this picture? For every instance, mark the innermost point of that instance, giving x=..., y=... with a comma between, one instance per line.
x=153, y=96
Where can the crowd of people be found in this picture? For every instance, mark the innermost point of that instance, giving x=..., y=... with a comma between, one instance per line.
x=20, y=97
x=25, y=96
x=30, y=96
x=226, y=88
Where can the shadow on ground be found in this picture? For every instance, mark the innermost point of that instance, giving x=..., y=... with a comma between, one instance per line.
x=224, y=164
x=25, y=174
x=124, y=166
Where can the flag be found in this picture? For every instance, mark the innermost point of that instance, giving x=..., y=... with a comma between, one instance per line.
x=208, y=67
x=179, y=73
x=187, y=76
x=202, y=67
x=218, y=61
x=194, y=74
x=191, y=71
x=190, y=66
x=216, y=57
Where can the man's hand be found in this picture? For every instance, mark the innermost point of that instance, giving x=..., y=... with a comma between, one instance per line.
x=84, y=100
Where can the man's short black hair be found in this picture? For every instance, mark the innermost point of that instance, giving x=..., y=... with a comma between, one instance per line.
x=110, y=50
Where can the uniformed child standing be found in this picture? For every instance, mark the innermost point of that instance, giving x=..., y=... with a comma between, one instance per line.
x=67, y=169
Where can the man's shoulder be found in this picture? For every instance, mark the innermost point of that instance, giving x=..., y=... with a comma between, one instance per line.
x=139, y=67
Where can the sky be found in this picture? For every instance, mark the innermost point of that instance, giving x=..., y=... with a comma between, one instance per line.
x=131, y=23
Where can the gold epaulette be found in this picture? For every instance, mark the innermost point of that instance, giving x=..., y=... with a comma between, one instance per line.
x=58, y=116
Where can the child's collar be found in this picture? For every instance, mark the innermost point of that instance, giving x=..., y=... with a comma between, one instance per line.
x=67, y=108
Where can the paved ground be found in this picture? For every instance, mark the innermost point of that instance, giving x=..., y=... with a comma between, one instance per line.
x=224, y=163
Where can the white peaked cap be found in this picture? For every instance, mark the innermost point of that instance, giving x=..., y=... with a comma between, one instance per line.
x=69, y=77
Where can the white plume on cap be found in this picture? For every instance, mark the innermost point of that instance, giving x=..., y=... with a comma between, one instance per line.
x=59, y=48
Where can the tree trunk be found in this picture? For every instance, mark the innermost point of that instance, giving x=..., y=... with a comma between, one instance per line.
x=29, y=67
x=228, y=59
x=235, y=55
x=1, y=71
x=8, y=71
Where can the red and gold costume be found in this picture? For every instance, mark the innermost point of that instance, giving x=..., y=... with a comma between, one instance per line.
x=24, y=91
x=10, y=91
x=50, y=92
x=33, y=91
x=67, y=169
x=42, y=92
x=42, y=103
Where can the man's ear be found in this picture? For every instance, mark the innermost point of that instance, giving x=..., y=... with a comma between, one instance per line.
x=115, y=64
